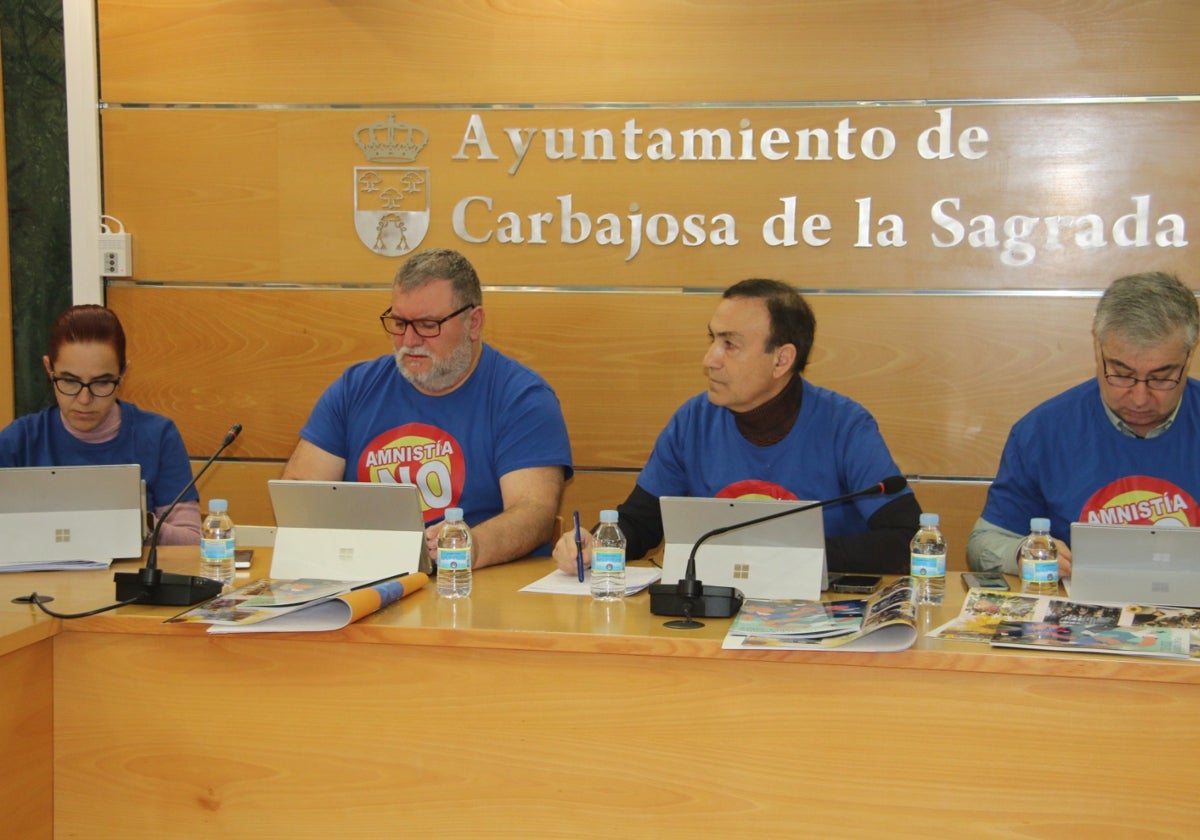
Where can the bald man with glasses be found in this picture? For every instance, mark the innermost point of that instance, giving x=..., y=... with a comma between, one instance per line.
x=470, y=427
x=1121, y=448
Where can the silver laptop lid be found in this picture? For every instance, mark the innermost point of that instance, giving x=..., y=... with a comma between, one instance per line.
x=1135, y=564
x=54, y=514
x=783, y=558
x=346, y=530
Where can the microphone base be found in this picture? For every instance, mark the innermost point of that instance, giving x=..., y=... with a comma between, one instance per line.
x=165, y=589
x=708, y=602
x=683, y=624
x=33, y=598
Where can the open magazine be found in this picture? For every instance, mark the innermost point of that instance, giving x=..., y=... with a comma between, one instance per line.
x=57, y=566
x=273, y=605
x=886, y=621
x=1048, y=622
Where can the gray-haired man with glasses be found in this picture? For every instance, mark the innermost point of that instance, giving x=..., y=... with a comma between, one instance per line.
x=1123, y=448
x=470, y=427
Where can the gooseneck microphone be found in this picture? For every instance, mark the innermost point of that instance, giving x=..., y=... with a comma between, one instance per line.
x=150, y=585
x=691, y=599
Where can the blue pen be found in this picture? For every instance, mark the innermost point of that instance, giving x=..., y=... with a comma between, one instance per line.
x=578, y=548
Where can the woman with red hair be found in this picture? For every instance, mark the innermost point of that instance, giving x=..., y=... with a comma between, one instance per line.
x=89, y=424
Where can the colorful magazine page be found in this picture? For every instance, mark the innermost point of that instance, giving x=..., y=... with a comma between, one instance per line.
x=273, y=592
x=798, y=618
x=277, y=605
x=1169, y=642
x=336, y=612
x=983, y=610
x=1185, y=617
x=888, y=623
x=261, y=599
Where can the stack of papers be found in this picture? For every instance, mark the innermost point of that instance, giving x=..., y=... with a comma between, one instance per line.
x=637, y=578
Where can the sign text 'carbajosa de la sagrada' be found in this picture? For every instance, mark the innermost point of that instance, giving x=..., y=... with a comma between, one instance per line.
x=393, y=204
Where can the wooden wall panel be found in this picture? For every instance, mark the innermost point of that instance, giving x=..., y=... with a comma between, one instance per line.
x=947, y=377
x=590, y=492
x=244, y=485
x=527, y=50
x=268, y=197
x=944, y=376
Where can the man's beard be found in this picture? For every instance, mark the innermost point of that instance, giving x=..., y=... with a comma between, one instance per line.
x=442, y=375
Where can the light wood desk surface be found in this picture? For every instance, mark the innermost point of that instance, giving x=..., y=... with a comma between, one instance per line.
x=522, y=715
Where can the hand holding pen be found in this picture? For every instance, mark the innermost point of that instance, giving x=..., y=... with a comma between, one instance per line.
x=570, y=552
x=578, y=548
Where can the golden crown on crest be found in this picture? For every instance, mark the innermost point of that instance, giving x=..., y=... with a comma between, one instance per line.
x=389, y=141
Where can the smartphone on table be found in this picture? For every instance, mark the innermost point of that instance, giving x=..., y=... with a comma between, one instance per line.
x=858, y=584
x=985, y=580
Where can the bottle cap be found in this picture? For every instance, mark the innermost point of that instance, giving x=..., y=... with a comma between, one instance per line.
x=454, y=514
x=1039, y=523
x=929, y=520
x=217, y=505
x=609, y=516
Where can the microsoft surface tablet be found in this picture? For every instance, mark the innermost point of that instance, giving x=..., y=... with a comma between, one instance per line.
x=1135, y=564
x=346, y=530
x=783, y=558
x=54, y=515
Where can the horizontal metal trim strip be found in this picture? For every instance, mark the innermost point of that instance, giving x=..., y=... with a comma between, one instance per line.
x=622, y=290
x=235, y=459
x=660, y=106
x=949, y=479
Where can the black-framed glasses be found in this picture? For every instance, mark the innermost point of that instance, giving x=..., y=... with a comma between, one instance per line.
x=424, y=327
x=69, y=387
x=1154, y=383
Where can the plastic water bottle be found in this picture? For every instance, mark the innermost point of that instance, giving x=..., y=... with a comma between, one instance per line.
x=454, y=556
x=1039, y=559
x=608, y=559
x=928, y=561
x=216, y=542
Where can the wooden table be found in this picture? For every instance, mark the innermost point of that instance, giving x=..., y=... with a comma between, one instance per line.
x=520, y=715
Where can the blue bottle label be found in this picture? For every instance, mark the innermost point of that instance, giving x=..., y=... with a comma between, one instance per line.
x=928, y=565
x=608, y=560
x=453, y=559
x=216, y=551
x=1045, y=571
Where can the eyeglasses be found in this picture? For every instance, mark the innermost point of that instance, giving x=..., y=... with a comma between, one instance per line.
x=1153, y=383
x=98, y=387
x=424, y=327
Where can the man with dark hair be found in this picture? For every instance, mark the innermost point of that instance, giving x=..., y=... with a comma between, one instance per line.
x=1123, y=447
x=470, y=427
x=762, y=430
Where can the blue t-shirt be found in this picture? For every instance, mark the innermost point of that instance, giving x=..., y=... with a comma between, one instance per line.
x=833, y=448
x=1065, y=460
x=145, y=438
x=453, y=447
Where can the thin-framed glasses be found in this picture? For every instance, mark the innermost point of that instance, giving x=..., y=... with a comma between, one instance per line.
x=69, y=387
x=424, y=327
x=1154, y=383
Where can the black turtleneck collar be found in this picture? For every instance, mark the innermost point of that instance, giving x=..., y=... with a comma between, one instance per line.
x=770, y=422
